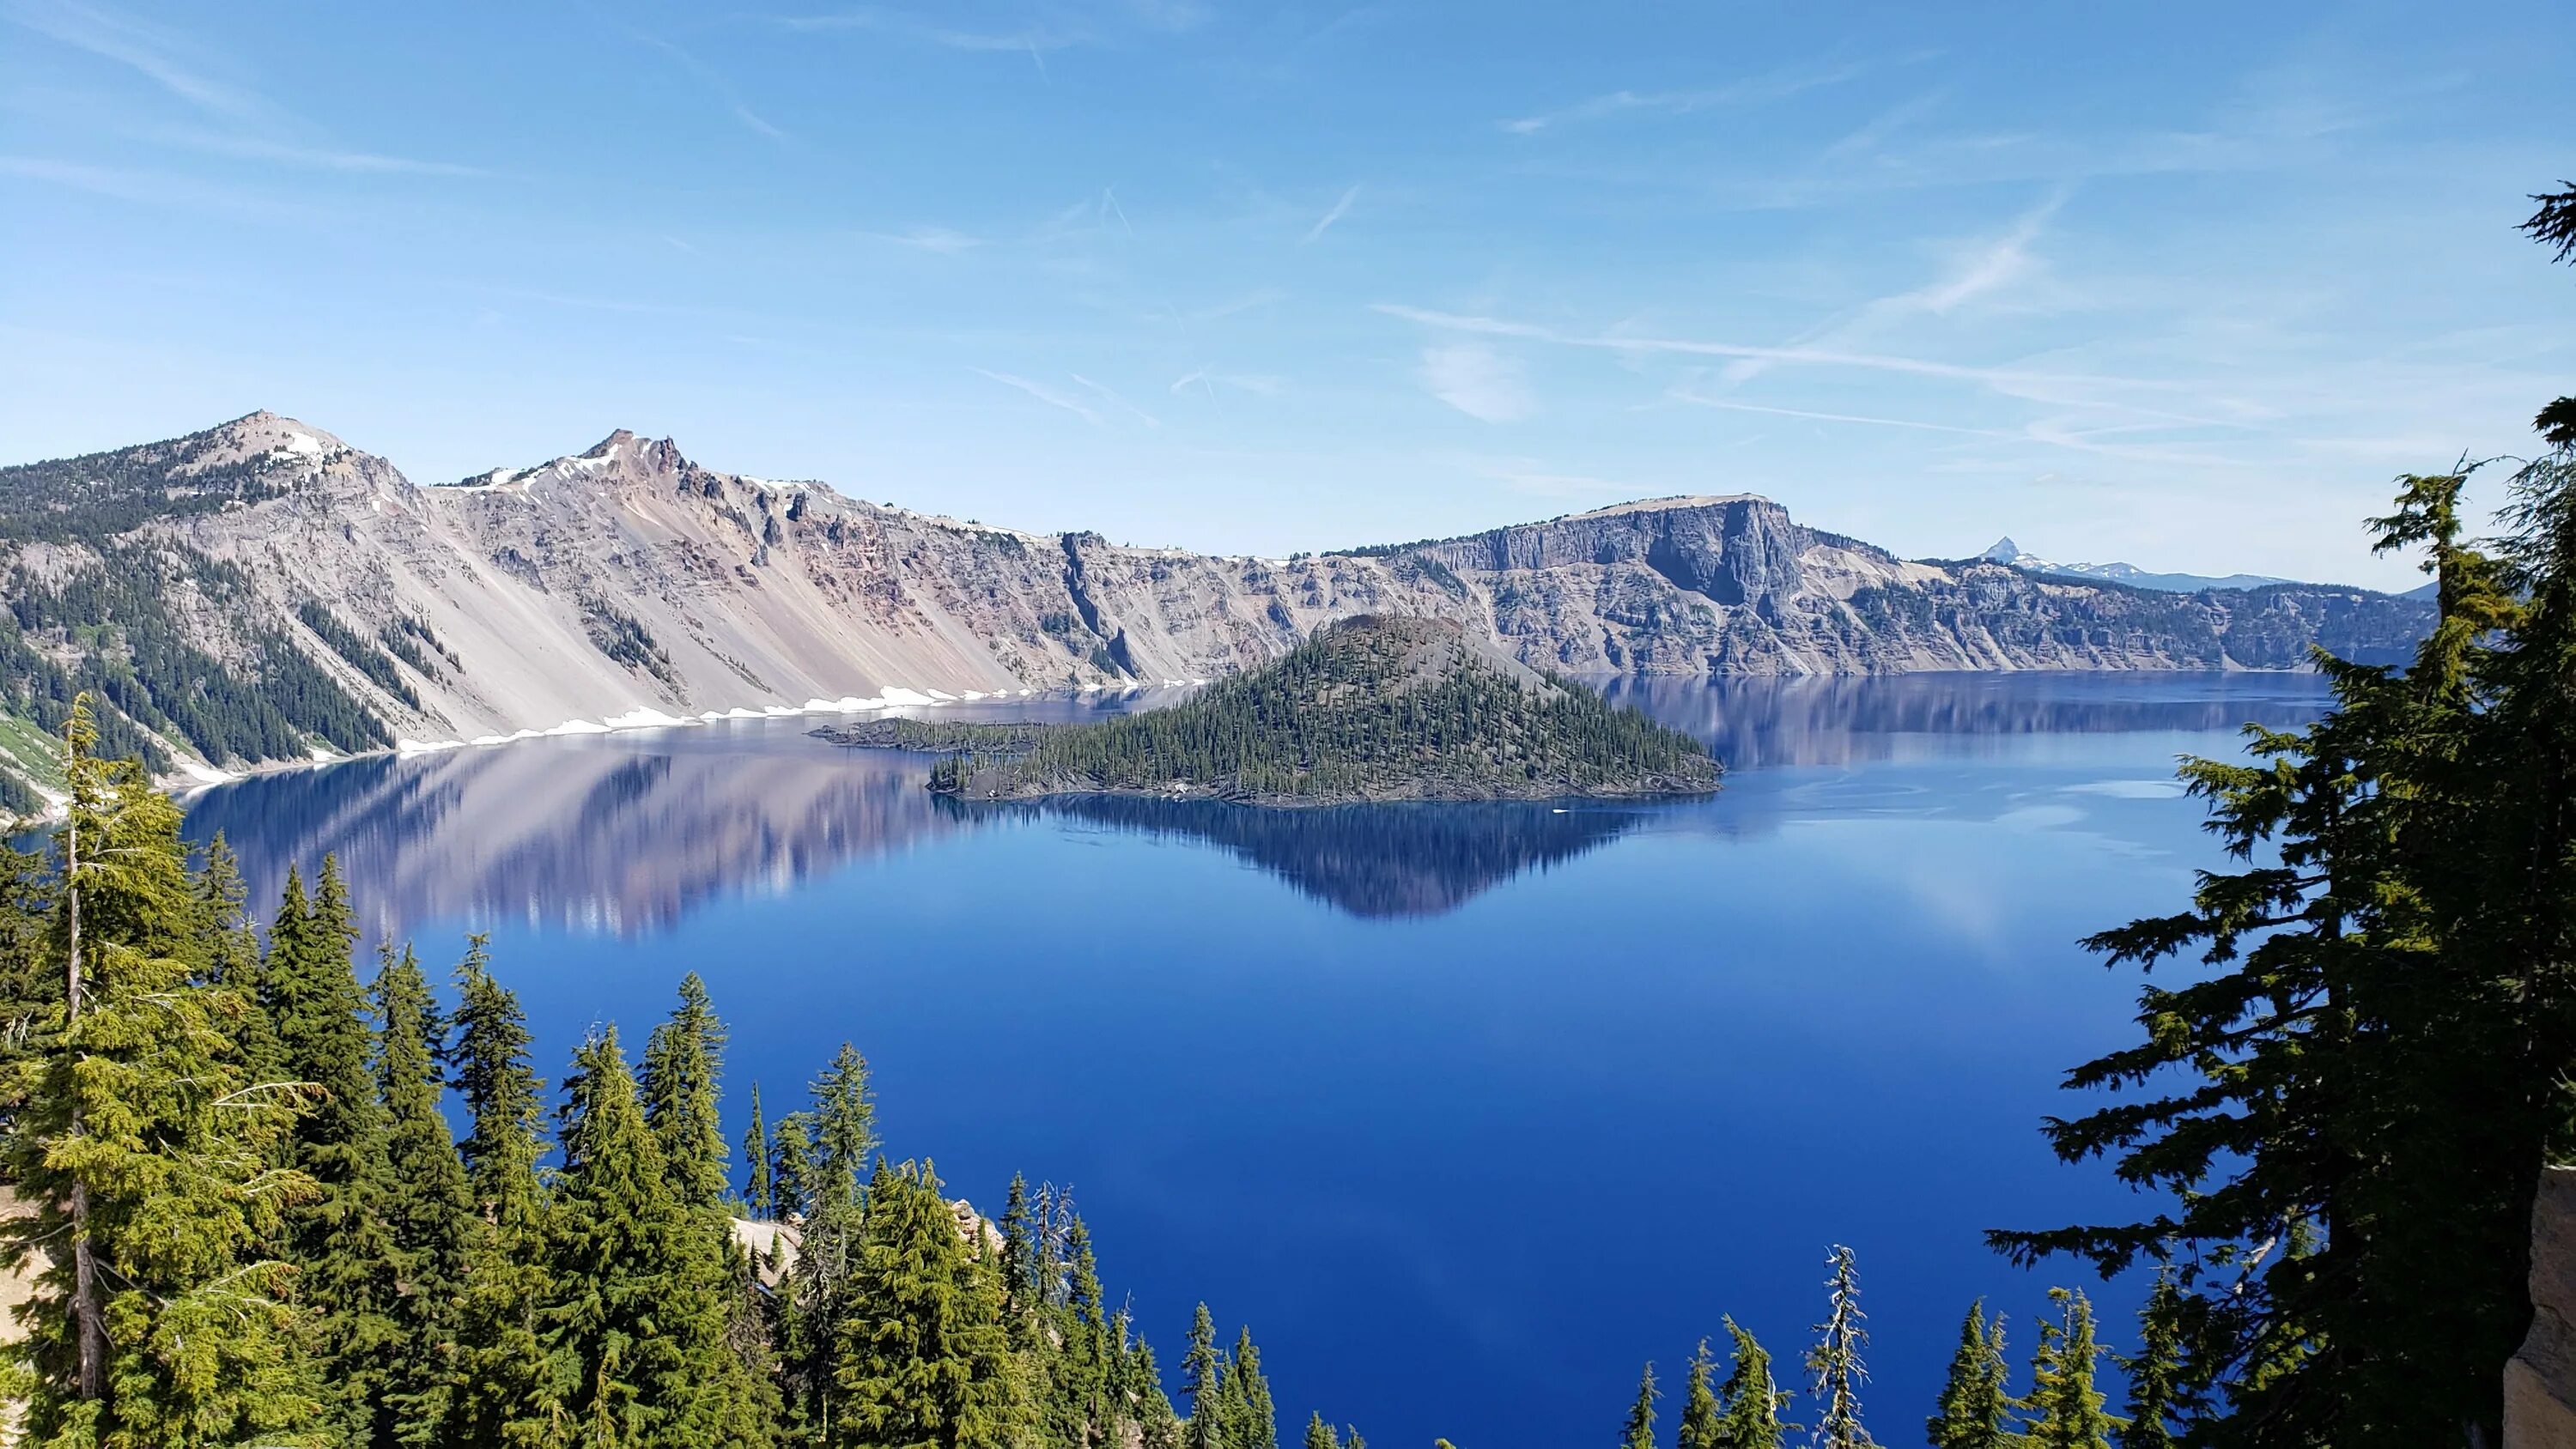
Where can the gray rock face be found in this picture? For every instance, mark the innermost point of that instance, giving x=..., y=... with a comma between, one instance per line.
x=632, y=579
x=2540, y=1380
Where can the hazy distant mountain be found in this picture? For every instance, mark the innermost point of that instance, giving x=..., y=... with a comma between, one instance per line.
x=2005, y=551
x=264, y=591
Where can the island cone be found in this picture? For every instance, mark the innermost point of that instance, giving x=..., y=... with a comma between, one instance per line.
x=1381, y=707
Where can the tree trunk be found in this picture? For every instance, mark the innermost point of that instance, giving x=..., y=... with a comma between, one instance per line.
x=88, y=1319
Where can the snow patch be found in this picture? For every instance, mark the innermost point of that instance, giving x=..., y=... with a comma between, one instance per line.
x=641, y=718
x=195, y=769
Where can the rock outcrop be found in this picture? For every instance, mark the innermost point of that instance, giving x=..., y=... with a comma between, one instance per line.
x=2540, y=1380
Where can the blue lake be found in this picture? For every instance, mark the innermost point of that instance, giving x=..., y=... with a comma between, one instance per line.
x=1467, y=1111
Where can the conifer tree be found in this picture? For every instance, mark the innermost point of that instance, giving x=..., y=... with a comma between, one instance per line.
x=428, y=1211
x=682, y=1067
x=921, y=1355
x=637, y=1309
x=822, y=1152
x=1019, y=1266
x=233, y=959
x=1975, y=1407
x=508, y=1389
x=1750, y=1402
x=1640, y=1432
x=791, y=1168
x=1834, y=1364
x=143, y=1147
x=1699, y=1424
x=2159, y=1387
x=755, y=1155
x=2065, y=1409
x=1257, y=1418
x=1203, y=1371
x=1320, y=1435
x=338, y=1236
x=1157, y=1425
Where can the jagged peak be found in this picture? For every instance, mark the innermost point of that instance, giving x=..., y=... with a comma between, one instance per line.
x=2003, y=550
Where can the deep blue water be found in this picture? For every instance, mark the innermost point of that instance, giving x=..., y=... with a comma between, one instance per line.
x=1468, y=1111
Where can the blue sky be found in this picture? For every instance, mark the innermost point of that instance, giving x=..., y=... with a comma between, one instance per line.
x=2180, y=284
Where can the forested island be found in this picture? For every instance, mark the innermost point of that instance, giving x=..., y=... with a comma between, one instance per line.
x=1380, y=708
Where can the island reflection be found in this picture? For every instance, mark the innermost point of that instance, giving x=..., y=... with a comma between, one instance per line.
x=627, y=834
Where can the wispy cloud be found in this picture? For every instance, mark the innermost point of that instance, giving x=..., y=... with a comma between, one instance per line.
x=254, y=127
x=928, y=239
x=1698, y=399
x=1981, y=271
x=1324, y=223
x=1691, y=347
x=1206, y=380
x=1105, y=391
x=713, y=80
x=1873, y=133
x=1034, y=40
x=1043, y=393
x=1776, y=85
x=320, y=158
x=160, y=54
x=1478, y=381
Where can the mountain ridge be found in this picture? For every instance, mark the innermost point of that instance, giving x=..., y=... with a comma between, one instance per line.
x=2005, y=551
x=263, y=590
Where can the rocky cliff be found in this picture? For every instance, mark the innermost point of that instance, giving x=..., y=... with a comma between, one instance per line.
x=263, y=589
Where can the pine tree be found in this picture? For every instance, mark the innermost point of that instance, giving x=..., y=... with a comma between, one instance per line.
x=921, y=1355
x=508, y=1389
x=637, y=1308
x=755, y=1154
x=1203, y=1371
x=1750, y=1402
x=1257, y=1418
x=1699, y=1426
x=791, y=1168
x=822, y=1153
x=338, y=1236
x=1834, y=1364
x=1320, y=1435
x=1975, y=1405
x=144, y=1147
x=1640, y=1432
x=2065, y=1409
x=2160, y=1387
x=428, y=1211
x=233, y=959
x=679, y=1081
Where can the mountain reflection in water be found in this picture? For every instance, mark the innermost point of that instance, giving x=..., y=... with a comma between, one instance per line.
x=626, y=833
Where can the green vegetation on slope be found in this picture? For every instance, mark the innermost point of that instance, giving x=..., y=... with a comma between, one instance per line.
x=114, y=627
x=2344, y=1106
x=1377, y=708
x=103, y=495
x=119, y=627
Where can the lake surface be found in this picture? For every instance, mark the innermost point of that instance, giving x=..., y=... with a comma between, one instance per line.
x=1468, y=1111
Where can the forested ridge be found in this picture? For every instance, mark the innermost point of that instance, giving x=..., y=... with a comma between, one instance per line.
x=109, y=614
x=1375, y=708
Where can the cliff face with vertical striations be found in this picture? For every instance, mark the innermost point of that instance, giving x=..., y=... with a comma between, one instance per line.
x=264, y=588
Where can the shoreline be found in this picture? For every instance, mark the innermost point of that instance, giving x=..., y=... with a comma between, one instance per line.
x=194, y=777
